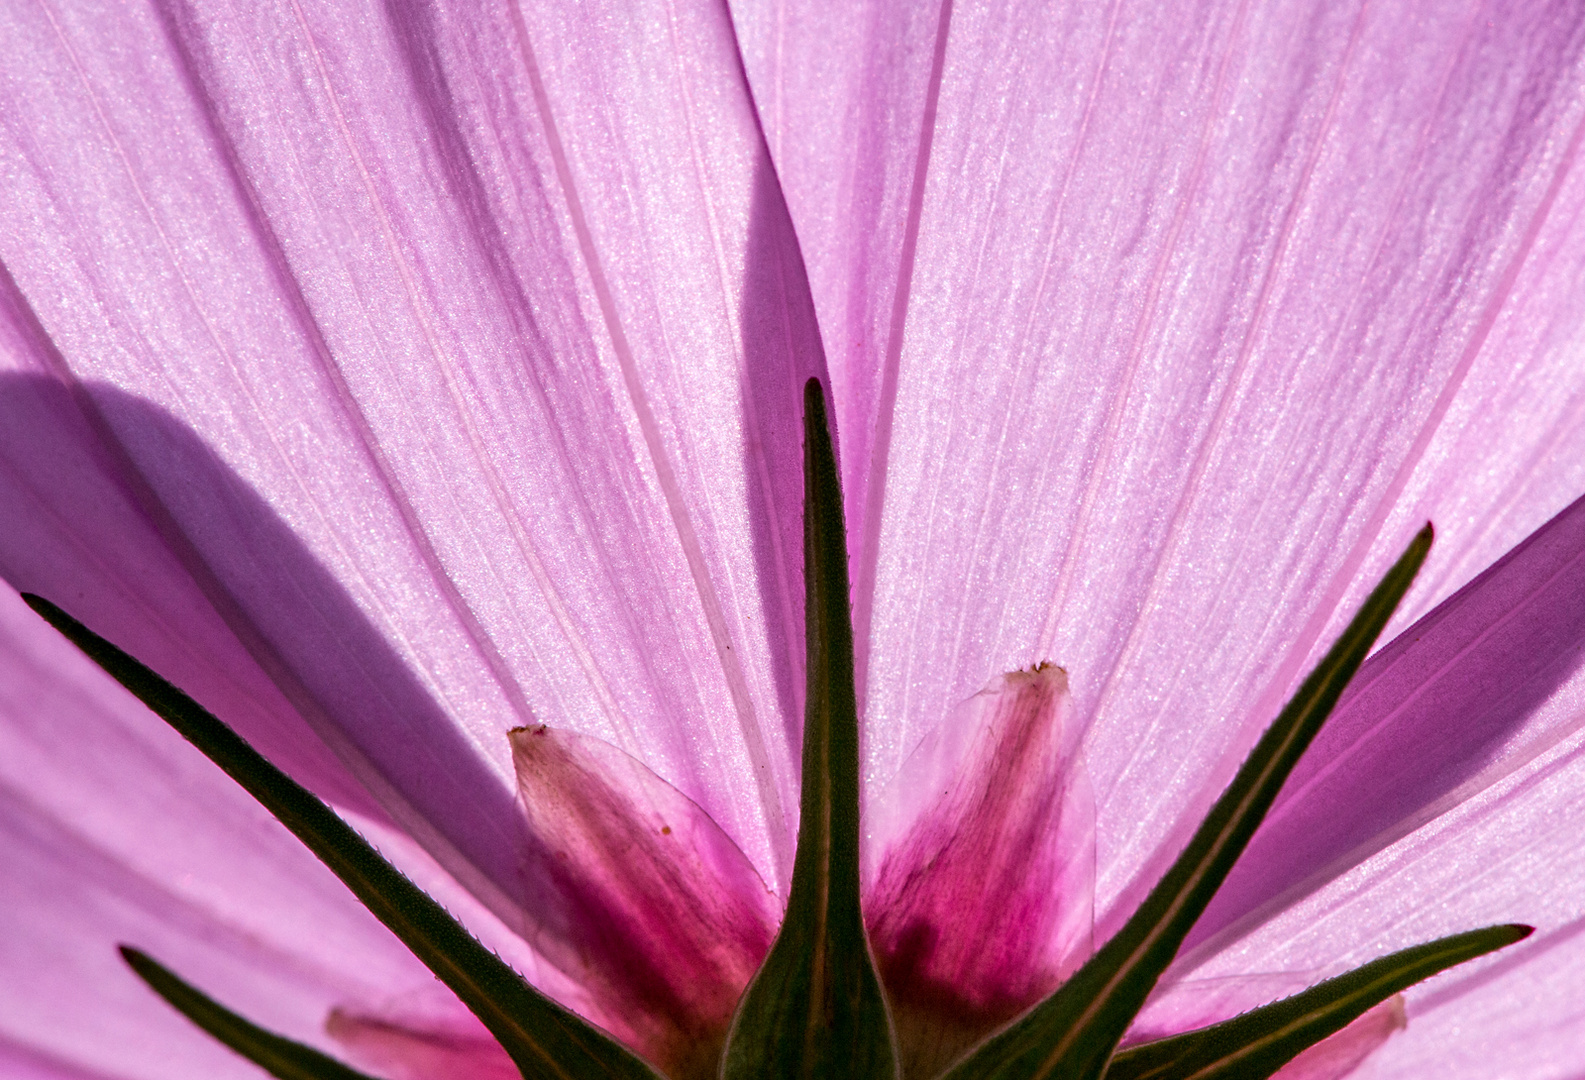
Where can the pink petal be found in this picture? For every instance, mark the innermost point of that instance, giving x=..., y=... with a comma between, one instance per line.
x=1188, y=1004
x=26, y=1063
x=1524, y=1020
x=1198, y=1003
x=1207, y=314
x=1339, y=1055
x=670, y=917
x=1302, y=264
x=112, y=829
x=1506, y=849
x=422, y=1047
x=77, y=531
x=460, y=353
x=1462, y=696
x=979, y=901
x=841, y=91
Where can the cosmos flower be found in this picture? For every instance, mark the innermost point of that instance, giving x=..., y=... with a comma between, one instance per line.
x=395, y=377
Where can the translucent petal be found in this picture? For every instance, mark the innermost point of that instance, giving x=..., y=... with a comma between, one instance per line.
x=1509, y=845
x=1463, y=696
x=979, y=900
x=671, y=918
x=426, y=1046
x=1341, y=1054
x=112, y=830
x=457, y=357
x=1205, y=316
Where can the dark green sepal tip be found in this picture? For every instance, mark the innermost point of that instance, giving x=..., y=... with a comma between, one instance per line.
x=1258, y=1043
x=815, y=1008
x=543, y=1039
x=1073, y=1033
x=275, y=1054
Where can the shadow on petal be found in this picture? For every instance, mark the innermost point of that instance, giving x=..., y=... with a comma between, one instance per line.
x=205, y=580
x=421, y=1047
x=206, y=532
x=1197, y=1003
x=1335, y=1057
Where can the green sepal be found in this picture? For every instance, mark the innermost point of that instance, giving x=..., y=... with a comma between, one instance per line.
x=815, y=1008
x=275, y=1054
x=1261, y=1041
x=1073, y=1032
x=542, y=1038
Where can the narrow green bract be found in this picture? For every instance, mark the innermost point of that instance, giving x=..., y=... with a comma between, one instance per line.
x=275, y=1054
x=1261, y=1041
x=816, y=1009
x=544, y=1040
x=1072, y=1033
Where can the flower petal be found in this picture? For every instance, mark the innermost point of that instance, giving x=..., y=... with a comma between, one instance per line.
x=1523, y=1021
x=1202, y=321
x=463, y=352
x=77, y=531
x=1457, y=871
x=1466, y=693
x=671, y=919
x=983, y=868
x=1197, y=1003
x=424, y=1047
x=1340, y=1055
x=112, y=830
x=841, y=91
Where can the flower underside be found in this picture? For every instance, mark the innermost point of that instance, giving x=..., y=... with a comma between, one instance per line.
x=952, y=957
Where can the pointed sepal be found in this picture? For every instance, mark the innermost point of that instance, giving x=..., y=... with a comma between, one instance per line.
x=542, y=1038
x=1261, y=1041
x=1073, y=1033
x=275, y=1054
x=815, y=1008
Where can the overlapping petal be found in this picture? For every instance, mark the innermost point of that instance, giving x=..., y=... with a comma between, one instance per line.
x=464, y=388
x=417, y=1045
x=1204, y=315
x=983, y=868
x=671, y=916
x=1512, y=848
x=1472, y=692
x=392, y=377
x=104, y=842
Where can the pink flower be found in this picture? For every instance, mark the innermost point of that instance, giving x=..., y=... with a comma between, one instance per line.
x=393, y=378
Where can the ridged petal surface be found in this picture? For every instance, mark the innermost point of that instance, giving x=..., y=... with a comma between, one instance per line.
x=1165, y=333
x=394, y=376
x=672, y=919
x=466, y=387
x=102, y=845
x=1510, y=850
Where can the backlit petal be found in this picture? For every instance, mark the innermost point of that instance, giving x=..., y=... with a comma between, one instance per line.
x=1507, y=848
x=456, y=352
x=1475, y=689
x=979, y=899
x=671, y=919
x=1206, y=316
x=1199, y=1003
x=112, y=829
x=1339, y=1055
x=400, y=1045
